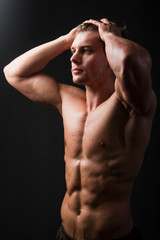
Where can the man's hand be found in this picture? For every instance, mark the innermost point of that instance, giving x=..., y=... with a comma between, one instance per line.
x=106, y=26
x=71, y=36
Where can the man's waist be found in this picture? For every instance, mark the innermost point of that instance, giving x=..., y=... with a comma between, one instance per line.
x=105, y=217
x=78, y=203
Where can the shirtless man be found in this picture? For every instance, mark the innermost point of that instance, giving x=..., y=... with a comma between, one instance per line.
x=106, y=128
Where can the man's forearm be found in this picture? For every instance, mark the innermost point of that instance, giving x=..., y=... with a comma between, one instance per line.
x=122, y=54
x=120, y=51
x=37, y=58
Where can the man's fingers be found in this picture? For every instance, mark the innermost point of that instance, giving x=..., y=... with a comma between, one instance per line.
x=98, y=22
x=95, y=22
x=105, y=25
x=105, y=20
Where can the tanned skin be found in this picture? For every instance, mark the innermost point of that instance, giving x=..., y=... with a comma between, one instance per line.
x=106, y=128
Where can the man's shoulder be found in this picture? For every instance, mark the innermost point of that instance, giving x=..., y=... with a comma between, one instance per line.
x=73, y=100
x=72, y=92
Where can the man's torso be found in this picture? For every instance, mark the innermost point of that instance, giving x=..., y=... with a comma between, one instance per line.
x=103, y=154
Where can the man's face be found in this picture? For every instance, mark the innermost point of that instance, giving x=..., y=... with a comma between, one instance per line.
x=88, y=61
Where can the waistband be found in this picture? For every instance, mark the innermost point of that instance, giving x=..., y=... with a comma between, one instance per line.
x=134, y=234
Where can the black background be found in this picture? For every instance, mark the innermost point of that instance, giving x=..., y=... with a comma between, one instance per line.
x=32, y=182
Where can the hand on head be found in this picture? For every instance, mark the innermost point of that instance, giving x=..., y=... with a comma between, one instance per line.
x=106, y=26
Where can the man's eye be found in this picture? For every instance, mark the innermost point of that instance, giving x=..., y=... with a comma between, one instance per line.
x=86, y=50
x=72, y=52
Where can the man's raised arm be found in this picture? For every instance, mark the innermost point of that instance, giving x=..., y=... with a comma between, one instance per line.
x=24, y=73
x=131, y=65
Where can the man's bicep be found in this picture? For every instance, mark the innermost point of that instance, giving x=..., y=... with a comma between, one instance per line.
x=42, y=89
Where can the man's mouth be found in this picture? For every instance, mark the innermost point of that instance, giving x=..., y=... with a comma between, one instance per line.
x=77, y=70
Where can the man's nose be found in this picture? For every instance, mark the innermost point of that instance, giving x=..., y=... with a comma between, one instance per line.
x=76, y=58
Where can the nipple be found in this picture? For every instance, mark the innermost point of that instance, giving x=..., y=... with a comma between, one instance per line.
x=102, y=144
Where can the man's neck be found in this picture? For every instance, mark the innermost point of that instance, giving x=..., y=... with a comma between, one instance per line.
x=97, y=94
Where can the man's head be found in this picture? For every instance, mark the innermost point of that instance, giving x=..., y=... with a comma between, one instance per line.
x=89, y=62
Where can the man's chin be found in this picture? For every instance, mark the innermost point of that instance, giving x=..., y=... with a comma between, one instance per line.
x=79, y=81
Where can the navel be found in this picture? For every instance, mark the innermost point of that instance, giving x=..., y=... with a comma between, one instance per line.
x=102, y=144
x=79, y=212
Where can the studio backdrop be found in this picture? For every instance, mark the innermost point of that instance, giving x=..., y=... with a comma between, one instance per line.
x=32, y=166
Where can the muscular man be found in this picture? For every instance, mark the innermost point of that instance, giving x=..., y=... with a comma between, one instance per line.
x=106, y=128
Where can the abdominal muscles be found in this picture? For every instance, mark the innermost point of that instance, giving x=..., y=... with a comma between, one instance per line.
x=94, y=197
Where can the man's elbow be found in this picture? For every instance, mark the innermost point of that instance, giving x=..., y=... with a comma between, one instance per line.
x=148, y=60
x=9, y=75
x=145, y=60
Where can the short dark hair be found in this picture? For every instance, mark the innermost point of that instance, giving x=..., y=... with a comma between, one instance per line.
x=92, y=28
x=87, y=27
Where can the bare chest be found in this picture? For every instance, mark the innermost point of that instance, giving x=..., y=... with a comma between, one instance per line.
x=100, y=132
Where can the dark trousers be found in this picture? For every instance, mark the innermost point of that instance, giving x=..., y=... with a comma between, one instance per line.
x=133, y=235
x=62, y=235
